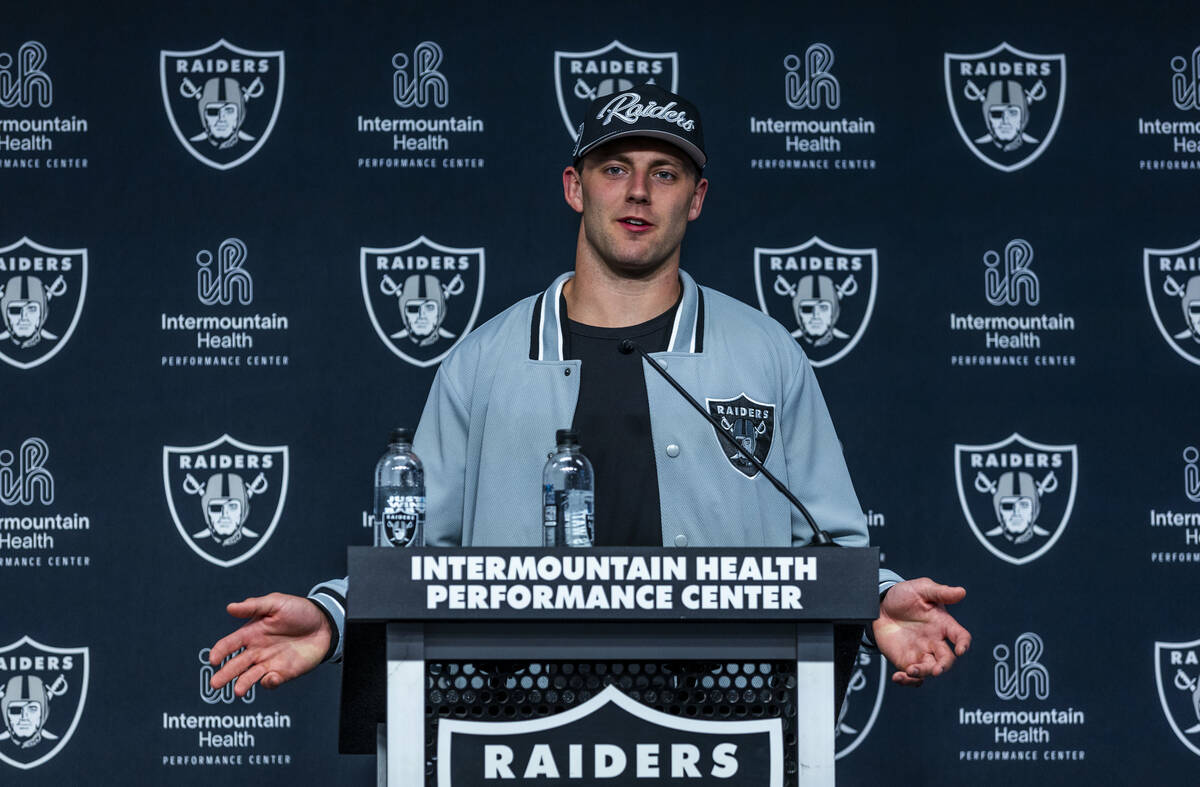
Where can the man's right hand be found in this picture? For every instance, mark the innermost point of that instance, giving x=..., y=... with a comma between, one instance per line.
x=285, y=637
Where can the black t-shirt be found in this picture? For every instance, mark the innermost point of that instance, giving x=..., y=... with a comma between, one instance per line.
x=613, y=421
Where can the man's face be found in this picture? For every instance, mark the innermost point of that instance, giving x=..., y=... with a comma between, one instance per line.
x=222, y=119
x=1005, y=120
x=1016, y=514
x=224, y=515
x=24, y=318
x=1193, y=311
x=816, y=316
x=24, y=718
x=637, y=196
x=421, y=316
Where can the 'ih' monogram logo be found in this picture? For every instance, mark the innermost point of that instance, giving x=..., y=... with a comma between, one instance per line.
x=20, y=85
x=425, y=83
x=218, y=286
x=1008, y=284
x=29, y=480
x=806, y=91
x=1184, y=85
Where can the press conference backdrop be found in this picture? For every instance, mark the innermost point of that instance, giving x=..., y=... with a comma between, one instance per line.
x=236, y=242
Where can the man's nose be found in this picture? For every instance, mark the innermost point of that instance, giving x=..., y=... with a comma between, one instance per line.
x=639, y=188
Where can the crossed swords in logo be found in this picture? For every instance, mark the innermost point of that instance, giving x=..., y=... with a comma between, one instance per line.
x=973, y=93
x=1175, y=290
x=59, y=287
x=56, y=689
x=588, y=93
x=393, y=290
x=845, y=289
x=194, y=487
x=758, y=430
x=988, y=486
x=188, y=89
x=1184, y=683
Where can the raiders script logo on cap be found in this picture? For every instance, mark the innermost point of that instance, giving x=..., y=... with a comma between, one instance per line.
x=643, y=111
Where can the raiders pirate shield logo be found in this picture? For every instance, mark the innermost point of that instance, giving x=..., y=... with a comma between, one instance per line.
x=582, y=77
x=864, y=696
x=1017, y=495
x=548, y=747
x=41, y=295
x=751, y=424
x=225, y=496
x=1177, y=673
x=42, y=693
x=1173, y=290
x=422, y=297
x=824, y=293
x=1006, y=103
x=222, y=101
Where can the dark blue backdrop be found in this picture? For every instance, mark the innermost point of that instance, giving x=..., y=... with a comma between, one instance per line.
x=1082, y=599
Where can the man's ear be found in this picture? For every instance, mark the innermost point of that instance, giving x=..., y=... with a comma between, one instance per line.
x=573, y=188
x=698, y=199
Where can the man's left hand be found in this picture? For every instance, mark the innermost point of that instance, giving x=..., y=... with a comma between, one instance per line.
x=913, y=628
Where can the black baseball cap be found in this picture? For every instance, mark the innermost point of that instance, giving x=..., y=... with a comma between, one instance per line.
x=642, y=111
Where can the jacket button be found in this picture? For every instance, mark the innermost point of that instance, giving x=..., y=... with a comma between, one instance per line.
x=672, y=450
x=681, y=540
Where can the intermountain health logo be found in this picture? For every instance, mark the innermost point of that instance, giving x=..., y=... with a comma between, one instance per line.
x=1006, y=103
x=30, y=136
x=610, y=737
x=1017, y=495
x=1177, y=674
x=42, y=693
x=30, y=535
x=818, y=134
x=226, y=496
x=222, y=100
x=824, y=293
x=1173, y=291
x=1175, y=522
x=582, y=77
x=422, y=297
x=217, y=729
x=227, y=332
x=417, y=128
x=1175, y=136
x=1014, y=718
x=42, y=290
x=1010, y=333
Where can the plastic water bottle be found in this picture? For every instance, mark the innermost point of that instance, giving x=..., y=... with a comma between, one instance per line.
x=399, y=494
x=568, y=495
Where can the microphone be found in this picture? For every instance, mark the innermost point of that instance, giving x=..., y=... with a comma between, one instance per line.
x=820, y=537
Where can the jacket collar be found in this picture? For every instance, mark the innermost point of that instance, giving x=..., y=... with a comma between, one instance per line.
x=546, y=331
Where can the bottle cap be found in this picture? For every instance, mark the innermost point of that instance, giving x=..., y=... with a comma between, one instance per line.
x=401, y=435
x=566, y=437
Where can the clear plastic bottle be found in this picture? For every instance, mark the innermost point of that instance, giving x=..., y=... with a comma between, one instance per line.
x=399, y=494
x=568, y=495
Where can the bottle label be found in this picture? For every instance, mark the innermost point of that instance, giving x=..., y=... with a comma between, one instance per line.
x=576, y=517
x=549, y=517
x=401, y=517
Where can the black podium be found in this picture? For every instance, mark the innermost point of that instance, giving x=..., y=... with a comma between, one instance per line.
x=407, y=607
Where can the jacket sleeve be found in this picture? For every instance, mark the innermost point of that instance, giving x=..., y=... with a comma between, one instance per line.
x=441, y=444
x=816, y=467
x=330, y=598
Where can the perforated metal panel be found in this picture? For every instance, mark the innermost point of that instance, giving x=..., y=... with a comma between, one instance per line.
x=512, y=691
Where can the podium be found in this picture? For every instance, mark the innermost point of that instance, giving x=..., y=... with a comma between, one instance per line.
x=411, y=608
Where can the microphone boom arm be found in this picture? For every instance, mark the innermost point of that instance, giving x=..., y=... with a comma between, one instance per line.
x=820, y=537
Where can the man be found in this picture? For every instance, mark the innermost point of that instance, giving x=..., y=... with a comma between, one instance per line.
x=551, y=361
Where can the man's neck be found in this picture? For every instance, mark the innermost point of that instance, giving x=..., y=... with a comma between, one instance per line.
x=602, y=298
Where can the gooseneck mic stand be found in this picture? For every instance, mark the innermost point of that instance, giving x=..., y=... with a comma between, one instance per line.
x=820, y=537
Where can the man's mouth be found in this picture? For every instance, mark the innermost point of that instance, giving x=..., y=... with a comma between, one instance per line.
x=635, y=224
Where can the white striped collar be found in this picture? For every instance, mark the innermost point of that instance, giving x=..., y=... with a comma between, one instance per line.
x=547, y=329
